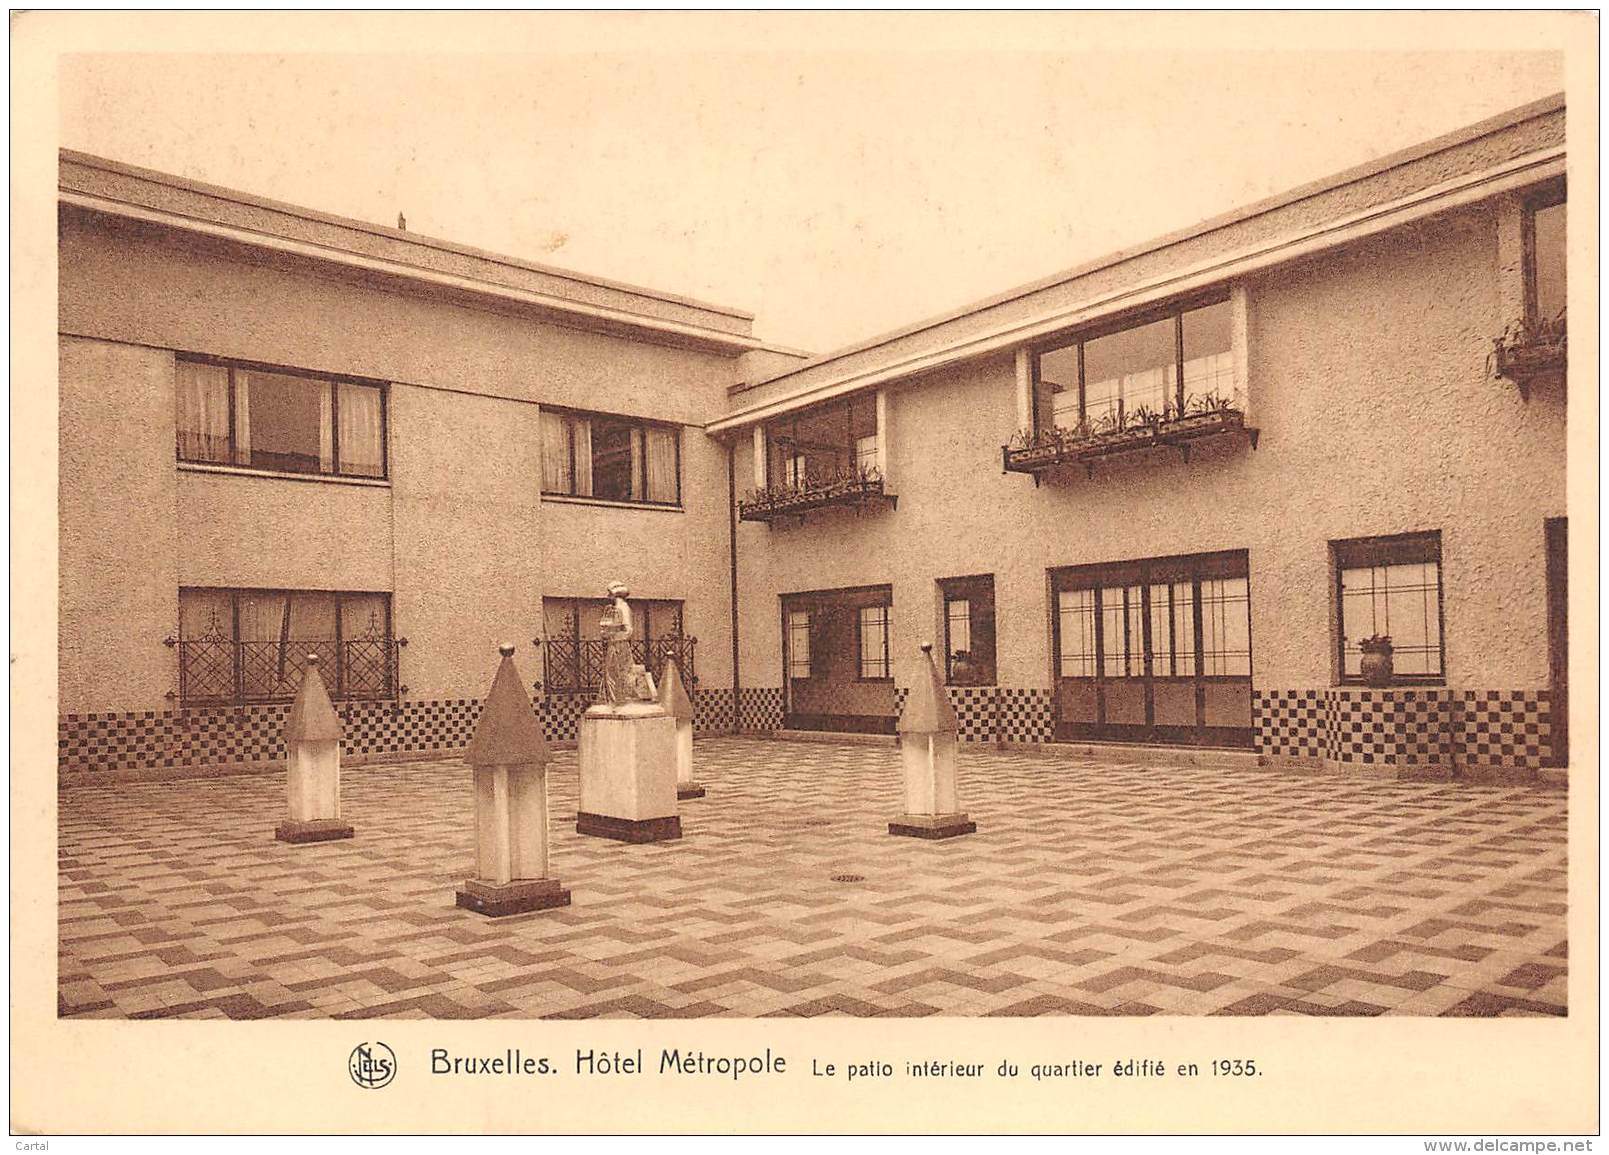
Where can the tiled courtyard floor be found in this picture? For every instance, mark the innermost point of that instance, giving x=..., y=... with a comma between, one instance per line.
x=1091, y=888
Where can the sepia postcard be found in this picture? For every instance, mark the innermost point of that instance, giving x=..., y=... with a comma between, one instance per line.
x=695, y=573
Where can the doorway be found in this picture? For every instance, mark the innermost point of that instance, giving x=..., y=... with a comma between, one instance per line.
x=838, y=670
x=1155, y=650
x=1558, y=641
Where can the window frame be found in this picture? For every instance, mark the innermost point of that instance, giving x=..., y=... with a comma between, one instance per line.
x=1551, y=195
x=793, y=661
x=638, y=426
x=1389, y=549
x=887, y=660
x=334, y=381
x=973, y=589
x=1077, y=339
x=334, y=680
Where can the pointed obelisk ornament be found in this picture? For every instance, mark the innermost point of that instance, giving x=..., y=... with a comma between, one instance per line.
x=312, y=765
x=927, y=732
x=673, y=697
x=508, y=756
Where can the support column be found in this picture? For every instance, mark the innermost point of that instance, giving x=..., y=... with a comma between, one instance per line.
x=1025, y=390
x=1240, y=346
x=882, y=436
x=760, y=464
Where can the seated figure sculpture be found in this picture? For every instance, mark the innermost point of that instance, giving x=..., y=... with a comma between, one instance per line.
x=623, y=681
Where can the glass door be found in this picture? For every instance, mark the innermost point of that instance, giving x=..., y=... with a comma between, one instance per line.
x=1157, y=650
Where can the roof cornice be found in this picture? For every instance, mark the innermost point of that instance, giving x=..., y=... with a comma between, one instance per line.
x=819, y=382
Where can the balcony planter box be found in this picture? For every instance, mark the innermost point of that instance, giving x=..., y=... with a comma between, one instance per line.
x=795, y=501
x=1063, y=448
x=1529, y=352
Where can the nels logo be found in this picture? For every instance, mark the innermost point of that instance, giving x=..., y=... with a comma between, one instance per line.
x=372, y=1065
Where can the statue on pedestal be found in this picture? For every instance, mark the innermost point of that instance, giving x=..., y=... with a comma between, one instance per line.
x=623, y=680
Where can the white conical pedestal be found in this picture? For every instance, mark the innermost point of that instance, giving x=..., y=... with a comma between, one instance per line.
x=312, y=765
x=927, y=731
x=508, y=756
x=673, y=697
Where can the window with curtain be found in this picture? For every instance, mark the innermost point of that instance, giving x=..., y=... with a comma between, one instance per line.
x=278, y=420
x=612, y=458
x=251, y=645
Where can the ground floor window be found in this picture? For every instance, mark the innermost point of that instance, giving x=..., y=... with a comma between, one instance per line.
x=251, y=645
x=573, y=644
x=874, y=641
x=1157, y=649
x=1390, y=587
x=969, y=647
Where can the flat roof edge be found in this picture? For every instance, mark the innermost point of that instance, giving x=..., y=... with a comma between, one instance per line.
x=1510, y=118
x=238, y=196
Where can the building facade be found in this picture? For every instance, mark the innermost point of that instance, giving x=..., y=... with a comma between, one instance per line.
x=1159, y=499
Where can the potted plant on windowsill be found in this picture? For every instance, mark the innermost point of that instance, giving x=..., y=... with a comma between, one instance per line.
x=1376, y=663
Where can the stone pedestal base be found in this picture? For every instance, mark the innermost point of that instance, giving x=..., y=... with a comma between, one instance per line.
x=629, y=829
x=685, y=790
x=628, y=774
x=932, y=825
x=313, y=830
x=495, y=900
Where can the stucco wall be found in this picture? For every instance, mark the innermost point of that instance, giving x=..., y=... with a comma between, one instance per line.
x=119, y=559
x=130, y=284
x=459, y=533
x=1368, y=375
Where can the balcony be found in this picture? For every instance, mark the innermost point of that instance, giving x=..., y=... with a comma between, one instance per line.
x=859, y=490
x=575, y=666
x=1139, y=431
x=1530, y=351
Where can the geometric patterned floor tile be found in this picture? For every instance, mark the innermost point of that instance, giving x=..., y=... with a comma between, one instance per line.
x=1093, y=886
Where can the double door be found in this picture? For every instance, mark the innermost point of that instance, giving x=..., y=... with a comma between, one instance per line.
x=1155, y=650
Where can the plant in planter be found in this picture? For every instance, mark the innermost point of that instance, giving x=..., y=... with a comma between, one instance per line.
x=1376, y=663
x=1528, y=349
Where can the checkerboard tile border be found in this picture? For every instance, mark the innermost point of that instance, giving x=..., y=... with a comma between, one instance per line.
x=1405, y=727
x=1346, y=725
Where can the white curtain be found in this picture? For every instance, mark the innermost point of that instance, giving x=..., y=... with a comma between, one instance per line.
x=583, y=455
x=361, y=433
x=242, y=418
x=202, y=394
x=635, y=492
x=557, y=474
x=661, y=464
x=326, y=430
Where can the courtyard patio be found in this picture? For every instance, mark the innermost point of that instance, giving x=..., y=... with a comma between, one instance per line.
x=1092, y=887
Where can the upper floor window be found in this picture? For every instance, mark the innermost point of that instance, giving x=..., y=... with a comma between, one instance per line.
x=612, y=458
x=1391, y=587
x=251, y=645
x=1164, y=365
x=286, y=420
x=823, y=445
x=1545, y=255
